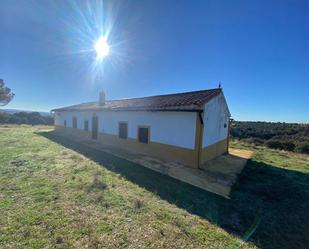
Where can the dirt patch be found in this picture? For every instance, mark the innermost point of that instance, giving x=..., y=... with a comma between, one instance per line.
x=246, y=154
x=226, y=168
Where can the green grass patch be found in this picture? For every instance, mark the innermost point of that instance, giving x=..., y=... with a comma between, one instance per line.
x=58, y=194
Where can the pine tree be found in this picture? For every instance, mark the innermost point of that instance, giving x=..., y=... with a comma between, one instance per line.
x=5, y=94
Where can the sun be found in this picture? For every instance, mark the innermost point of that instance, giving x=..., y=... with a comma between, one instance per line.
x=101, y=47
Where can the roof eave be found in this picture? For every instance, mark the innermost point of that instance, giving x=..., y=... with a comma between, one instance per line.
x=200, y=109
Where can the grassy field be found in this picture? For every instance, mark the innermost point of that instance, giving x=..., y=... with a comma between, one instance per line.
x=57, y=194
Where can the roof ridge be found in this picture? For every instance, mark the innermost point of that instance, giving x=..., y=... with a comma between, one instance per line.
x=193, y=101
x=169, y=94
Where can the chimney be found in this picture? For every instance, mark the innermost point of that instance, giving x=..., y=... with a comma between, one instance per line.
x=102, y=98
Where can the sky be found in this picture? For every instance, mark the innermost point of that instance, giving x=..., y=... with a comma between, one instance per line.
x=257, y=49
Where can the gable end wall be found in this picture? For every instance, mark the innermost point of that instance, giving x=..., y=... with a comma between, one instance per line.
x=216, y=128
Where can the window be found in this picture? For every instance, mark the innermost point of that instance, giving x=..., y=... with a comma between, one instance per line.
x=123, y=130
x=86, y=125
x=65, y=123
x=143, y=134
x=74, y=122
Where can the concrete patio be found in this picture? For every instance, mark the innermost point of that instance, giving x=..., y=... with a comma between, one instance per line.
x=217, y=175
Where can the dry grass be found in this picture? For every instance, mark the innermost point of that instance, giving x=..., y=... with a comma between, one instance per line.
x=52, y=196
x=57, y=194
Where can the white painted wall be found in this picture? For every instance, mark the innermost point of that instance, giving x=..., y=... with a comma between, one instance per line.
x=174, y=128
x=68, y=116
x=216, y=114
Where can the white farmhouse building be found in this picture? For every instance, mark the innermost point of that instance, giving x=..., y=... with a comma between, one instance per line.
x=190, y=127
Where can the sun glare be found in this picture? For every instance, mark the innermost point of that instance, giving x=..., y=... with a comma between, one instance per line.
x=101, y=47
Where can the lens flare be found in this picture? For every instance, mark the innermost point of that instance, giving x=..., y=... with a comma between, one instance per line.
x=101, y=47
x=93, y=40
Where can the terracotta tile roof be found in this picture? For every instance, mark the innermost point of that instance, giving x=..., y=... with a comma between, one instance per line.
x=188, y=101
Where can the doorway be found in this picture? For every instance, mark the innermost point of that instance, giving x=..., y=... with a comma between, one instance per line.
x=95, y=126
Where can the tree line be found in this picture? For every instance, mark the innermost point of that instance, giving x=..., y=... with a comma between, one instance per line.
x=31, y=118
x=283, y=136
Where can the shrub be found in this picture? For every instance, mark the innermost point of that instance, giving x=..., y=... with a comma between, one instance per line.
x=288, y=145
x=303, y=147
x=274, y=144
x=283, y=136
x=254, y=140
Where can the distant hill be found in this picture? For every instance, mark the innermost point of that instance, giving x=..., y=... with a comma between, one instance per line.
x=12, y=111
x=283, y=136
x=25, y=117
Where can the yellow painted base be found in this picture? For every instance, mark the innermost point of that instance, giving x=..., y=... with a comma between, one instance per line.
x=163, y=151
x=214, y=150
x=167, y=152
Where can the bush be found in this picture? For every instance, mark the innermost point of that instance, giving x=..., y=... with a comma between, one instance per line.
x=303, y=147
x=281, y=145
x=3, y=117
x=274, y=144
x=283, y=136
x=254, y=140
x=288, y=145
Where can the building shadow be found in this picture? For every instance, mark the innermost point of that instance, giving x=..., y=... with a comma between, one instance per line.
x=269, y=205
